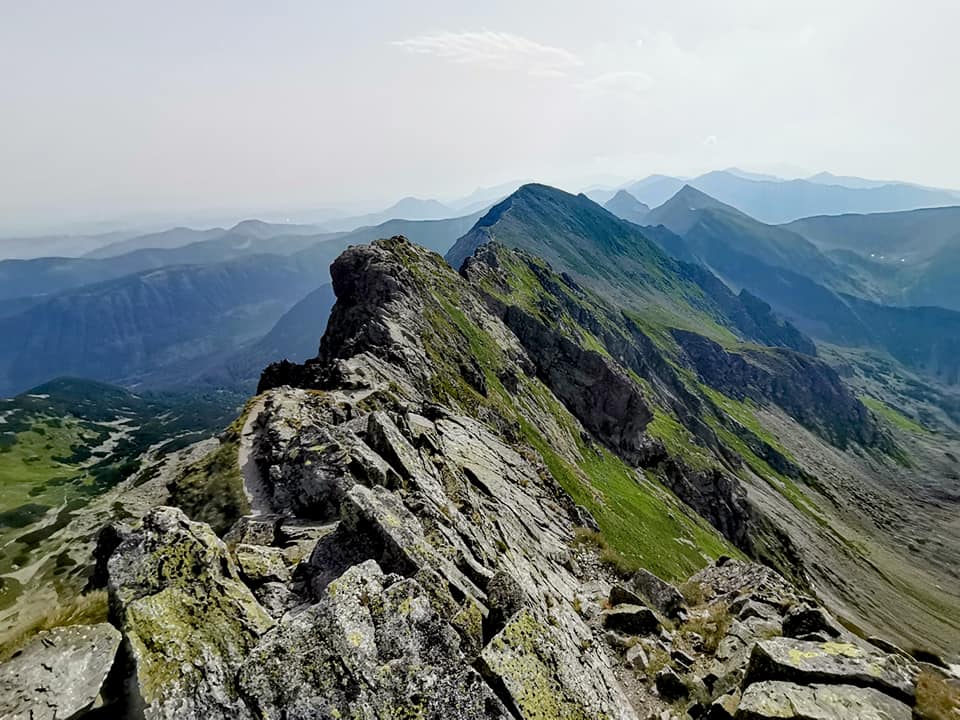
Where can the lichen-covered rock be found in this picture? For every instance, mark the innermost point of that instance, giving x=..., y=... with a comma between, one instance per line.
x=804, y=662
x=505, y=597
x=252, y=531
x=784, y=700
x=540, y=671
x=59, y=674
x=260, y=564
x=631, y=619
x=468, y=621
x=276, y=598
x=373, y=647
x=187, y=617
x=374, y=525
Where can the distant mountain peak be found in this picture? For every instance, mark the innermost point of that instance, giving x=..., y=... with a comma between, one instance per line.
x=418, y=208
x=624, y=196
x=682, y=211
x=626, y=207
x=691, y=198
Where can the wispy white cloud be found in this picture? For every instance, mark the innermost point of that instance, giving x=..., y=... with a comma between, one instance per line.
x=498, y=50
x=618, y=82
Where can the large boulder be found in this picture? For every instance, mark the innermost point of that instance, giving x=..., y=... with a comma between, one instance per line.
x=545, y=676
x=832, y=662
x=802, y=619
x=59, y=674
x=187, y=617
x=661, y=595
x=373, y=647
x=786, y=701
x=631, y=619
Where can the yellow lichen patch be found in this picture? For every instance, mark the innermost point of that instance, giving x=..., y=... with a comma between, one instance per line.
x=797, y=656
x=519, y=655
x=838, y=648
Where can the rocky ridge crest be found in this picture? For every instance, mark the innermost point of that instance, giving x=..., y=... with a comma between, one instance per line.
x=425, y=500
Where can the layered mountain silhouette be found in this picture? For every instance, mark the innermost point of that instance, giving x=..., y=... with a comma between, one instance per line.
x=817, y=292
x=780, y=201
x=616, y=258
x=161, y=316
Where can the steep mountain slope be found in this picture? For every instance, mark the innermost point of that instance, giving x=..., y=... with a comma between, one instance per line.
x=294, y=337
x=151, y=327
x=626, y=207
x=914, y=234
x=721, y=421
x=616, y=258
x=817, y=294
x=781, y=201
x=714, y=233
x=909, y=256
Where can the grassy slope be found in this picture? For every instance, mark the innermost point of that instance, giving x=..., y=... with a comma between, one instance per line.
x=641, y=521
x=805, y=492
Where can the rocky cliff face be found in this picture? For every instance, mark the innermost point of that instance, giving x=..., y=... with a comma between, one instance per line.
x=459, y=509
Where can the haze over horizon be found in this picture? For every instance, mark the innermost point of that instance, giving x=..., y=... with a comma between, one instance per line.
x=181, y=110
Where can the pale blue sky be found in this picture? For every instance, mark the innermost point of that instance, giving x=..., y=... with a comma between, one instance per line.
x=122, y=108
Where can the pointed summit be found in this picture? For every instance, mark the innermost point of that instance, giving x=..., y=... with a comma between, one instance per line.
x=626, y=207
x=682, y=211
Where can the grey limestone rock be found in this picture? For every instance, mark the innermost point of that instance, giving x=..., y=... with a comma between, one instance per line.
x=374, y=646
x=804, y=662
x=786, y=701
x=59, y=674
x=662, y=595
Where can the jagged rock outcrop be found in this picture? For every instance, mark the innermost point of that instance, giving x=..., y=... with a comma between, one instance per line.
x=187, y=618
x=661, y=594
x=811, y=662
x=599, y=393
x=60, y=674
x=810, y=390
x=375, y=645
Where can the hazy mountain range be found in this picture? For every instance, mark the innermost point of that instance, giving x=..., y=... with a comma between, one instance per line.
x=165, y=316
x=217, y=300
